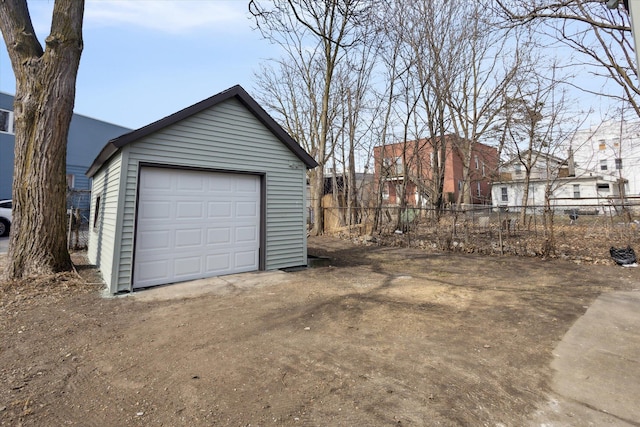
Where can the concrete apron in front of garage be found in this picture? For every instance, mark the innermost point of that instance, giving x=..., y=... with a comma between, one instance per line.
x=220, y=285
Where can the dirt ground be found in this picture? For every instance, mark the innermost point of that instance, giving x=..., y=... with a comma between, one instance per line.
x=383, y=336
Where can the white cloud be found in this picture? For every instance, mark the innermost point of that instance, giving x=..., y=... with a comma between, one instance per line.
x=168, y=16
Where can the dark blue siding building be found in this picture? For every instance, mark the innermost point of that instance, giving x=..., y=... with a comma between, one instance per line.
x=87, y=137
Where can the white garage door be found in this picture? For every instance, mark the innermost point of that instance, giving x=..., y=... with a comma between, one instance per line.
x=194, y=224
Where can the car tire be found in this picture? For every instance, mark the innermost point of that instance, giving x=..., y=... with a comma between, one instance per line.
x=4, y=227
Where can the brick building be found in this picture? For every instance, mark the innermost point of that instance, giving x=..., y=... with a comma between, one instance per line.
x=419, y=156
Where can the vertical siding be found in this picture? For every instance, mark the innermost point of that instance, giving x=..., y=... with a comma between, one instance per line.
x=102, y=239
x=225, y=137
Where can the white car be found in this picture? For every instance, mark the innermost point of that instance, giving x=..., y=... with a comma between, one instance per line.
x=5, y=217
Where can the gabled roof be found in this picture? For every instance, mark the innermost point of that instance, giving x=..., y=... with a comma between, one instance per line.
x=537, y=154
x=239, y=93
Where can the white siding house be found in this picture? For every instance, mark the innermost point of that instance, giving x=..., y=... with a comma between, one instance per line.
x=217, y=188
x=611, y=148
x=570, y=186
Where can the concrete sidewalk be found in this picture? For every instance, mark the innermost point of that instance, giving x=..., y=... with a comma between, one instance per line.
x=597, y=367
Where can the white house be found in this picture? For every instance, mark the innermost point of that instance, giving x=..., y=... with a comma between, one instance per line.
x=570, y=186
x=613, y=148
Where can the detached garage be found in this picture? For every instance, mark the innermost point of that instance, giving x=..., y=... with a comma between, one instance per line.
x=217, y=188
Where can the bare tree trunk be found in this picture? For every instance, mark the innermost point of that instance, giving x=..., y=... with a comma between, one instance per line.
x=353, y=204
x=317, y=189
x=45, y=93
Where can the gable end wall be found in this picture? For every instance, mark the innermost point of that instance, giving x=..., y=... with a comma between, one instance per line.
x=225, y=137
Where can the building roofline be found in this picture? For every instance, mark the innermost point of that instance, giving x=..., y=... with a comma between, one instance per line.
x=237, y=92
x=124, y=128
x=447, y=137
x=604, y=178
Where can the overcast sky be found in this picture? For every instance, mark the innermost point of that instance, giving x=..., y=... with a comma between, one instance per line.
x=146, y=59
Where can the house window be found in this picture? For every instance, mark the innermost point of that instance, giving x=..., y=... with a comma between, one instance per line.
x=71, y=180
x=393, y=165
x=398, y=163
x=96, y=214
x=518, y=168
x=385, y=192
x=618, y=164
x=484, y=173
x=576, y=191
x=505, y=195
x=477, y=163
x=460, y=185
x=603, y=187
x=602, y=145
x=603, y=165
x=6, y=121
x=479, y=190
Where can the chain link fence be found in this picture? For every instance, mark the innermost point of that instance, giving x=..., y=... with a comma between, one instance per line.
x=582, y=231
x=78, y=211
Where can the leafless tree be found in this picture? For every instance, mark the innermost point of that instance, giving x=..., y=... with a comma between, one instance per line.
x=393, y=70
x=319, y=32
x=540, y=127
x=458, y=64
x=43, y=107
x=433, y=36
x=359, y=107
x=490, y=61
x=601, y=38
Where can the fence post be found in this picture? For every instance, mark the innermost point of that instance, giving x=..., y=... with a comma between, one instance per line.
x=76, y=227
x=500, y=231
x=70, y=213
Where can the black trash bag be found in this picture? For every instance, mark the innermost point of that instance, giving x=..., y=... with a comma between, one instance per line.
x=623, y=256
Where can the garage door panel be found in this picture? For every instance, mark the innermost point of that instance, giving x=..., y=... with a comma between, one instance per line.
x=246, y=234
x=219, y=210
x=194, y=224
x=154, y=240
x=220, y=183
x=246, y=209
x=187, y=267
x=153, y=270
x=245, y=259
x=156, y=180
x=218, y=262
x=188, y=238
x=219, y=236
x=189, y=210
x=190, y=183
x=155, y=210
x=246, y=185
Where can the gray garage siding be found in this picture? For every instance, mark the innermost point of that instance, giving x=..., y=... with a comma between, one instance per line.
x=225, y=137
x=103, y=246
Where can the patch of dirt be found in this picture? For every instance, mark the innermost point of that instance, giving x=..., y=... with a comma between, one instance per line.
x=386, y=335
